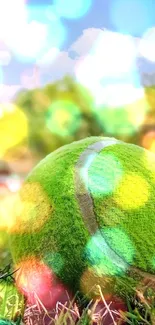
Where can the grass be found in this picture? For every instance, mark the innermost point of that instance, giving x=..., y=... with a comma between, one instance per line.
x=140, y=310
x=80, y=311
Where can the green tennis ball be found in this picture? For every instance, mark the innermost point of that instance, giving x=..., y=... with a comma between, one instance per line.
x=87, y=212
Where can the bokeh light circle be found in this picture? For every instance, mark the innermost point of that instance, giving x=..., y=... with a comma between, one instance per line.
x=112, y=63
x=35, y=39
x=13, y=127
x=112, y=54
x=63, y=117
x=133, y=192
x=72, y=9
x=104, y=173
x=89, y=281
x=117, y=53
x=102, y=258
x=30, y=34
x=142, y=13
x=13, y=16
x=34, y=279
x=26, y=211
x=123, y=247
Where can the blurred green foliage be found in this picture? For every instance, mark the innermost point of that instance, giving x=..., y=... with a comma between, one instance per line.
x=36, y=103
x=107, y=121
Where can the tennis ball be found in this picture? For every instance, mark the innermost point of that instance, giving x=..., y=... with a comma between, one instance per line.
x=86, y=212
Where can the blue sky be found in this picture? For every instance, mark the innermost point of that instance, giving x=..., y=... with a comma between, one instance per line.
x=132, y=17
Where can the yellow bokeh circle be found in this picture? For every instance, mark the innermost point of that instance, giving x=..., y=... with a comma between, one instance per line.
x=89, y=281
x=13, y=127
x=132, y=192
x=26, y=211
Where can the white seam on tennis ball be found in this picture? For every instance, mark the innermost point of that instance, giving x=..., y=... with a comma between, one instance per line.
x=83, y=196
x=81, y=180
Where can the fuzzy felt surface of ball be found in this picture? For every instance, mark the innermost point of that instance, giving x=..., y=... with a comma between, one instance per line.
x=87, y=212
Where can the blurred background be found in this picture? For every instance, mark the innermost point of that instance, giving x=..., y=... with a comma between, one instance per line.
x=69, y=70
